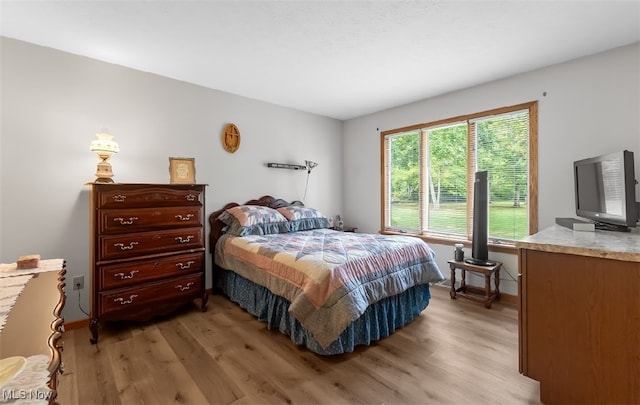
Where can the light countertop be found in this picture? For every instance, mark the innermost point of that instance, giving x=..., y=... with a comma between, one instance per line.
x=604, y=244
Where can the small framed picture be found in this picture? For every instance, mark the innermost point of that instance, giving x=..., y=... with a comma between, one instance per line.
x=182, y=170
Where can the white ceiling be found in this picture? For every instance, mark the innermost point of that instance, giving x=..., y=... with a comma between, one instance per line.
x=340, y=59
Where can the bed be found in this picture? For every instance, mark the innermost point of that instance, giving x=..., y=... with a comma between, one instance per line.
x=328, y=290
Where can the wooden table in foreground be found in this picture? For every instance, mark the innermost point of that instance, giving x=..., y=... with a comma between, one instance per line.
x=579, y=317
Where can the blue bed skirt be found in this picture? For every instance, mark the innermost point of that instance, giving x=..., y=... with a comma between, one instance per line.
x=379, y=320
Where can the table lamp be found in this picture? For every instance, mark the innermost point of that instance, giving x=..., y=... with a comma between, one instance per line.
x=104, y=146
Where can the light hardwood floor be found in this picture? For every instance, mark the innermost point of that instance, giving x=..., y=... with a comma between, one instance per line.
x=455, y=352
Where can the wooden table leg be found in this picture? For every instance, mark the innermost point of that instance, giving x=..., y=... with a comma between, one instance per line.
x=497, y=282
x=452, y=293
x=487, y=290
x=463, y=282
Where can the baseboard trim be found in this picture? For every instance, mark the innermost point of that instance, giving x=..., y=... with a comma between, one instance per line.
x=510, y=298
x=77, y=324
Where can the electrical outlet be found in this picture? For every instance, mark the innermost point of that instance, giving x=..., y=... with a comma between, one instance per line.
x=78, y=283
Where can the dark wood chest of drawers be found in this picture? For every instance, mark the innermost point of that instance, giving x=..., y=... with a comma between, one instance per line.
x=148, y=255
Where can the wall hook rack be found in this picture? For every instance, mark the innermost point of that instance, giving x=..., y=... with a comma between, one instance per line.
x=286, y=166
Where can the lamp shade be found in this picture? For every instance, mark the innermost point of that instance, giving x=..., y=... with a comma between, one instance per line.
x=104, y=145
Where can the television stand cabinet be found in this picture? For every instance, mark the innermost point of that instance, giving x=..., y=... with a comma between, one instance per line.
x=579, y=315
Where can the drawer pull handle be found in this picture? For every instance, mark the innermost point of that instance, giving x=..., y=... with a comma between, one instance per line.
x=122, y=301
x=123, y=221
x=180, y=239
x=119, y=198
x=185, y=288
x=184, y=218
x=124, y=276
x=123, y=247
x=185, y=266
x=190, y=197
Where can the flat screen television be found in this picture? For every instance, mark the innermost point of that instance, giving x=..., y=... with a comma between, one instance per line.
x=605, y=190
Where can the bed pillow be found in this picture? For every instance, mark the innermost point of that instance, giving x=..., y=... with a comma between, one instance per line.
x=246, y=220
x=303, y=218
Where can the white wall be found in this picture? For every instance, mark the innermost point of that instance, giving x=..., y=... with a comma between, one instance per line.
x=591, y=107
x=52, y=105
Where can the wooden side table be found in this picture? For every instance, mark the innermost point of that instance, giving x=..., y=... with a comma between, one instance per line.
x=486, y=295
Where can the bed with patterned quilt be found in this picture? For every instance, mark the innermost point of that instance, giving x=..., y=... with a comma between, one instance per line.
x=327, y=290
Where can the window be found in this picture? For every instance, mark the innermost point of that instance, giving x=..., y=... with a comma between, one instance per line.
x=429, y=169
